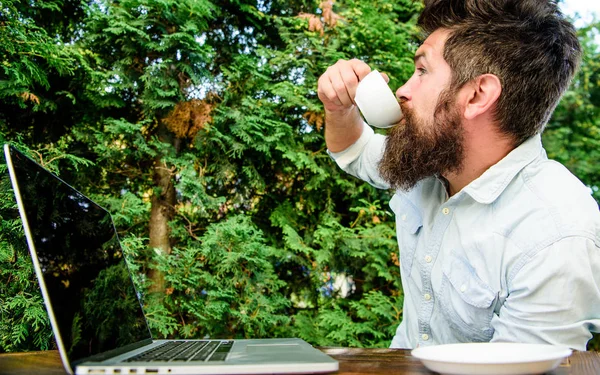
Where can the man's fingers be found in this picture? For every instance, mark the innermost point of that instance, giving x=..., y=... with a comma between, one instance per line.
x=360, y=68
x=327, y=94
x=337, y=86
x=350, y=78
x=340, y=88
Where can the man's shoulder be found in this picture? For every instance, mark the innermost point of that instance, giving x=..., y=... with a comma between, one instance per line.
x=547, y=195
x=552, y=185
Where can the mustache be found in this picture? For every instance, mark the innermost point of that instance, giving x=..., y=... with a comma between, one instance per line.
x=404, y=107
x=408, y=114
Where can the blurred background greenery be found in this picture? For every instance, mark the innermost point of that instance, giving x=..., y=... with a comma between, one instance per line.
x=197, y=125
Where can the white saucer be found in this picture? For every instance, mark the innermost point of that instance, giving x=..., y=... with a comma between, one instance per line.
x=491, y=358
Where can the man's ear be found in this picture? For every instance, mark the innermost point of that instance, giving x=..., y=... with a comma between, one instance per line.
x=483, y=94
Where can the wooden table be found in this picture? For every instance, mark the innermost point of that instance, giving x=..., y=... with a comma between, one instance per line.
x=352, y=361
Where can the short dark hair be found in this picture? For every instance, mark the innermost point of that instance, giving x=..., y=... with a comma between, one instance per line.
x=527, y=44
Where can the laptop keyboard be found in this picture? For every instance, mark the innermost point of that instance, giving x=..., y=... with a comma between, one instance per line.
x=185, y=351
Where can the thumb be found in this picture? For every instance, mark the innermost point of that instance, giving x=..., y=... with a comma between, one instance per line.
x=385, y=77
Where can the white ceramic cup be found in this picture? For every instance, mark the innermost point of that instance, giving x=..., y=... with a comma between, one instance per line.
x=377, y=102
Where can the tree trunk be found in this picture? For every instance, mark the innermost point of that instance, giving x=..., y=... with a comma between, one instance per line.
x=162, y=212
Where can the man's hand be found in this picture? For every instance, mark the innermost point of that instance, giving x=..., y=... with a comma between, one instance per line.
x=337, y=86
x=336, y=89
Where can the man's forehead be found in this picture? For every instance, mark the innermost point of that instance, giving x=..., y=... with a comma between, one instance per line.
x=423, y=53
x=433, y=45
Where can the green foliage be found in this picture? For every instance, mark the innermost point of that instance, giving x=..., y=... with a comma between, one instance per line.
x=24, y=323
x=263, y=220
x=148, y=50
x=39, y=66
x=370, y=322
x=226, y=285
x=23, y=45
x=105, y=311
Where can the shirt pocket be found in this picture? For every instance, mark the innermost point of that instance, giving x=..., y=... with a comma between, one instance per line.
x=408, y=223
x=467, y=303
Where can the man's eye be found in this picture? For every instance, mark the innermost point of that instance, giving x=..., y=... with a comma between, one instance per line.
x=421, y=71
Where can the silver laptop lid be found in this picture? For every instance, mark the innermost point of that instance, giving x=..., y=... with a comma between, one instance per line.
x=92, y=303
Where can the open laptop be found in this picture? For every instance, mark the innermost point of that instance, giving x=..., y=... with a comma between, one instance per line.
x=94, y=309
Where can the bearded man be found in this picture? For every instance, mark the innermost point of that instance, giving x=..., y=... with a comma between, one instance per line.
x=497, y=243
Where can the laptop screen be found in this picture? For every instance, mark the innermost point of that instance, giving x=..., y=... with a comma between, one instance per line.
x=88, y=285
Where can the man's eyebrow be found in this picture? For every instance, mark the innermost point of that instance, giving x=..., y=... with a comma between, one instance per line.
x=419, y=56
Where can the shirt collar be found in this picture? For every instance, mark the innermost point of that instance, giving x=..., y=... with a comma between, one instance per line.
x=488, y=187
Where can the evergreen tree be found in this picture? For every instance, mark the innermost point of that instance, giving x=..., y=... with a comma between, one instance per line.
x=40, y=74
x=219, y=117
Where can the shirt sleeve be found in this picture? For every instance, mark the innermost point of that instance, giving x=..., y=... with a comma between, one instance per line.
x=554, y=297
x=361, y=159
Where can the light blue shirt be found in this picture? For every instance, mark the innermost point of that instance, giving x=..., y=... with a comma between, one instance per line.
x=512, y=257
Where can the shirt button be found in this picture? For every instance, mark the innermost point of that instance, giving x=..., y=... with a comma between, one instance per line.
x=428, y=258
x=446, y=211
x=425, y=337
x=427, y=296
x=403, y=217
x=463, y=288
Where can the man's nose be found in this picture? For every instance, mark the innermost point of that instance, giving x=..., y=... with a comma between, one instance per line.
x=403, y=93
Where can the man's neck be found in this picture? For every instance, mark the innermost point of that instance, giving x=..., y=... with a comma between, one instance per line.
x=480, y=154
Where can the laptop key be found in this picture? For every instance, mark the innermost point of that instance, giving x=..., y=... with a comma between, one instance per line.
x=190, y=351
x=221, y=353
x=218, y=356
x=205, y=352
x=225, y=347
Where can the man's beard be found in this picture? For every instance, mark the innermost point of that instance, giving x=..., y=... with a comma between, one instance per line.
x=417, y=149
